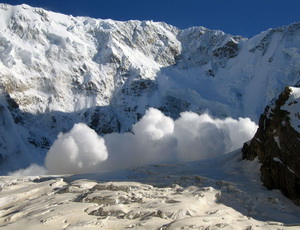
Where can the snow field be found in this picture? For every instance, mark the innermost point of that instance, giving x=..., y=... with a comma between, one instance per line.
x=191, y=195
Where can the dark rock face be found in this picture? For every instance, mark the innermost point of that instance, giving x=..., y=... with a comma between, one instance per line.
x=277, y=146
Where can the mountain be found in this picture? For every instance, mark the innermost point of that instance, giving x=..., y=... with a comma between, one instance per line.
x=276, y=144
x=58, y=70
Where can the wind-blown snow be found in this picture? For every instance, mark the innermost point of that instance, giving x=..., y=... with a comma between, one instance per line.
x=155, y=138
x=32, y=170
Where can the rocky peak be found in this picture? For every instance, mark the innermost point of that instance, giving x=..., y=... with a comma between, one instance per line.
x=277, y=144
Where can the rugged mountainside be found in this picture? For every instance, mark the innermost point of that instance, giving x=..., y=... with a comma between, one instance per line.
x=57, y=70
x=277, y=144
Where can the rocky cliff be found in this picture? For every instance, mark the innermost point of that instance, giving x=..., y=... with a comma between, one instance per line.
x=277, y=144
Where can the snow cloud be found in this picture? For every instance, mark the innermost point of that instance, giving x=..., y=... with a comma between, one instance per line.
x=32, y=170
x=79, y=151
x=201, y=137
x=152, y=141
x=156, y=138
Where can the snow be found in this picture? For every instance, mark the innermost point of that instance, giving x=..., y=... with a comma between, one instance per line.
x=53, y=45
x=78, y=151
x=293, y=107
x=59, y=68
x=276, y=138
x=32, y=170
x=277, y=160
x=156, y=138
x=176, y=196
x=292, y=171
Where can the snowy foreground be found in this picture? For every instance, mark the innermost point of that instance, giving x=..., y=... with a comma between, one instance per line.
x=221, y=193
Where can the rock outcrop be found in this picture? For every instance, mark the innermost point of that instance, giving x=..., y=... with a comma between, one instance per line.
x=277, y=145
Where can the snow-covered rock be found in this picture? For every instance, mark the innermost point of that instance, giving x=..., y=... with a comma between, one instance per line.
x=58, y=70
x=277, y=144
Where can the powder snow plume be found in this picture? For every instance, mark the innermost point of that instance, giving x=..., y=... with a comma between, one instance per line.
x=79, y=151
x=155, y=138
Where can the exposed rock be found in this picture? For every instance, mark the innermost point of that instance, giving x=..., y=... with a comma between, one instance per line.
x=229, y=50
x=277, y=144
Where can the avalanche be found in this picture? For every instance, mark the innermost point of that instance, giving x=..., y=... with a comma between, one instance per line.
x=136, y=101
x=59, y=70
x=156, y=138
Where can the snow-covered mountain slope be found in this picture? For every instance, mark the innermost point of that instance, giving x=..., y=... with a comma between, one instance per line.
x=58, y=70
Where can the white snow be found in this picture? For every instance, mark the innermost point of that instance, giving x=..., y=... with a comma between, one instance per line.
x=52, y=48
x=192, y=195
x=277, y=160
x=32, y=170
x=156, y=138
x=78, y=151
x=276, y=138
x=293, y=107
x=51, y=62
x=292, y=171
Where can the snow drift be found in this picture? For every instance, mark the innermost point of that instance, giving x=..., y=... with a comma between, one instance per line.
x=155, y=138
